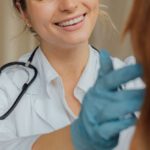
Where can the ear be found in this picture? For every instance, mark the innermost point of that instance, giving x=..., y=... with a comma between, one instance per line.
x=23, y=14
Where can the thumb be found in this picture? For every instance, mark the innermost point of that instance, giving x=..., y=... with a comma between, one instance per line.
x=106, y=65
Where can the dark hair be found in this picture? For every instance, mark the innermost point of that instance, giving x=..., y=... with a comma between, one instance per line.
x=23, y=7
x=139, y=27
x=22, y=3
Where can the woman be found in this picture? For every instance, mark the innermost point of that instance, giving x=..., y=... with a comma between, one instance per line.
x=67, y=67
x=139, y=28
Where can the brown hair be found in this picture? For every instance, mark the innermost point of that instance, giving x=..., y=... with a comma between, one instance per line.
x=22, y=3
x=23, y=7
x=139, y=27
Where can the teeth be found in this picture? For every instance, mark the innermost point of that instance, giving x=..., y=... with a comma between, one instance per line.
x=71, y=22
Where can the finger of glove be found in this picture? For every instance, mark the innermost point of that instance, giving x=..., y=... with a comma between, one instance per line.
x=106, y=105
x=124, y=95
x=120, y=108
x=105, y=63
x=118, y=96
x=109, y=129
x=118, y=77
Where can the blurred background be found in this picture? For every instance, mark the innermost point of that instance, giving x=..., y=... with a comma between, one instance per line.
x=14, y=41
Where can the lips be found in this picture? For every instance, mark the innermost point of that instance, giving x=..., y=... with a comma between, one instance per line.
x=71, y=21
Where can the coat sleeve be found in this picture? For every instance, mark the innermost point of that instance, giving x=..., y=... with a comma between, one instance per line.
x=18, y=144
x=9, y=140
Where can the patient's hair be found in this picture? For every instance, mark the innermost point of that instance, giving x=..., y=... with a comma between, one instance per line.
x=139, y=27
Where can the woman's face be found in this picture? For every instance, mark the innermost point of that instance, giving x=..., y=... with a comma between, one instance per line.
x=62, y=22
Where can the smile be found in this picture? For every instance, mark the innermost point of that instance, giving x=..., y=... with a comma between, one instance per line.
x=71, y=22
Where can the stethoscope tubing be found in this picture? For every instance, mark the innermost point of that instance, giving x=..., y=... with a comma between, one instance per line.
x=25, y=86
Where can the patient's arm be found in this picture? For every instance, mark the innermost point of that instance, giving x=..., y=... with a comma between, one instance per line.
x=58, y=140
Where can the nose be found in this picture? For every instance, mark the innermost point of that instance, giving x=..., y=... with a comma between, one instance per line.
x=68, y=5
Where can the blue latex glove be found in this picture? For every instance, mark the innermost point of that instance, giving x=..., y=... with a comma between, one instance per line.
x=104, y=109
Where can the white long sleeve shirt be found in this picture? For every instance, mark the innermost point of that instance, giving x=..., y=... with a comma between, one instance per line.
x=43, y=107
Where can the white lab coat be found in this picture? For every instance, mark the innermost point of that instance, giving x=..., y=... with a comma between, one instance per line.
x=36, y=113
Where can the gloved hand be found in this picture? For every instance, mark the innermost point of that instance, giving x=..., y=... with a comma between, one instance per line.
x=104, y=109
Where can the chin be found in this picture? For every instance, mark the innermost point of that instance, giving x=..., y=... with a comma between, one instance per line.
x=79, y=39
x=77, y=43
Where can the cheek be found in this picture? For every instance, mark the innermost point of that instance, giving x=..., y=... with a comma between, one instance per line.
x=92, y=4
x=93, y=8
x=40, y=13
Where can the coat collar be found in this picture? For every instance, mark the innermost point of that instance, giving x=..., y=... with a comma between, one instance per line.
x=89, y=75
x=47, y=110
x=46, y=72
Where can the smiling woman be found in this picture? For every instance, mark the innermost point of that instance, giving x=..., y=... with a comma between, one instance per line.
x=48, y=115
x=55, y=22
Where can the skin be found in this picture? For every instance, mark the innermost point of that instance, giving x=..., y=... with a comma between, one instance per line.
x=66, y=50
x=58, y=140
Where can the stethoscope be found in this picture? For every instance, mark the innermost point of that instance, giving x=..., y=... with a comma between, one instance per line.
x=26, y=85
